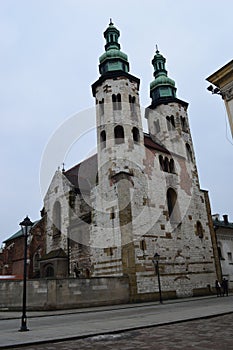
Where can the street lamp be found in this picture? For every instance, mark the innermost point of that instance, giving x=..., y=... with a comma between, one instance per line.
x=26, y=224
x=156, y=264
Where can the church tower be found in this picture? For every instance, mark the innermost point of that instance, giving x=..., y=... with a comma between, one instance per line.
x=120, y=150
x=117, y=102
x=167, y=115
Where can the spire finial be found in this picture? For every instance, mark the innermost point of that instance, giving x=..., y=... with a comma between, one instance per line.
x=157, y=50
x=63, y=167
x=111, y=24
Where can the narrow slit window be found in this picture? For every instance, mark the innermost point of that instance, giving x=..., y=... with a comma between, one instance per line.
x=136, y=136
x=172, y=205
x=101, y=107
x=103, y=139
x=189, y=152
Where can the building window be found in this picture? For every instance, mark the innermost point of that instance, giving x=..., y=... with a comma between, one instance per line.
x=119, y=134
x=161, y=162
x=220, y=253
x=49, y=272
x=229, y=255
x=108, y=251
x=112, y=214
x=199, y=230
x=101, y=107
x=36, y=258
x=119, y=101
x=170, y=122
x=172, y=205
x=132, y=101
x=171, y=166
x=167, y=165
x=156, y=126
x=143, y=245
x=57, y=218
x=136, y=136
x=183, y=123
x=102, y=139
x=116, y=100
x=189, y=152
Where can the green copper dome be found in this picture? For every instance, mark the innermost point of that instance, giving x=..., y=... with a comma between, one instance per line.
x=113, y=59
x=162, y=86
x=113, y=53
x=162, y=80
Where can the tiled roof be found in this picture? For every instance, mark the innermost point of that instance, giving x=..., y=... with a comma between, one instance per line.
x=15, y=235
x=18, y=234
x=83, y=175
x=149, y=143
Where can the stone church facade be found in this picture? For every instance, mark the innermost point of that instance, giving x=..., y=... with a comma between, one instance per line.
x=139, y=195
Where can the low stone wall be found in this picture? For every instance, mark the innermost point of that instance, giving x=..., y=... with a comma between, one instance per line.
x=47, y=294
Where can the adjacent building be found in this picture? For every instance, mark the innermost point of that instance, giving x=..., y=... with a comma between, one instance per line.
x=12, y=256
x=224, y=234
x=223, y=81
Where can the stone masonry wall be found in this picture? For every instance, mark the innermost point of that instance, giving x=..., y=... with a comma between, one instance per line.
x=64, y=293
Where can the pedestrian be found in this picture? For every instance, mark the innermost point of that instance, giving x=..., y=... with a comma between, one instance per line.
x=225, y=286
x=218, y=288
x=76, y=271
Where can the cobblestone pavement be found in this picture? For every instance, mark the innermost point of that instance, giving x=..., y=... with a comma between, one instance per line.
x=214, y=333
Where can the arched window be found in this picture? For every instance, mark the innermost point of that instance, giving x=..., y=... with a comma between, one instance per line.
x=168, y=123
x=57, y=218
x=119, y=134
x=166, y=164
x=199, y=230
x=183, y=123
x=220, y=253
x=132, y=101
x=189, y=152
x=136, y=136
x=111, y=37
x=101, y=107
x=171, y=166
x=36, y=258
x=172, y=120
x=116, y=100
x=172, y=205
x=102, y=139
x=161, y=162
x=49, y=272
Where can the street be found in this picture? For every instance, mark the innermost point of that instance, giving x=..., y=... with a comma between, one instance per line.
x=214, y=333
x=146, y=324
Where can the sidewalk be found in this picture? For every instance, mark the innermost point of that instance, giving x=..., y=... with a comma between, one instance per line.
x=80, y=323
x=8, y=315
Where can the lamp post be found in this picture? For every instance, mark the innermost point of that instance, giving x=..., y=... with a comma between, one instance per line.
x=156, y=264
x=26, y=224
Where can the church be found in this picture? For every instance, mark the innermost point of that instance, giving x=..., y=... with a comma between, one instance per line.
x=138, y=196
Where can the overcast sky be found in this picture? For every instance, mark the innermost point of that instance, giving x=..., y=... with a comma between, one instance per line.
x=49, y=52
